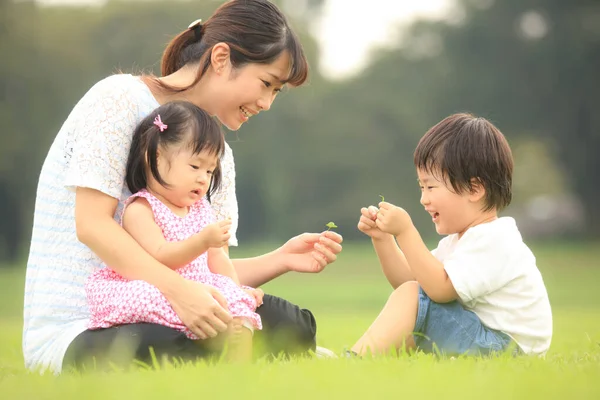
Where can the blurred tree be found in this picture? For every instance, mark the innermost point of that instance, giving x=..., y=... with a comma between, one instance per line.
x=16, y=67
x=49, y=69
x=530, y=66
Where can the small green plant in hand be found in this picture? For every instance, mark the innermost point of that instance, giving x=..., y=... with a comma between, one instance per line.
x=331, y=225
x=382, y=198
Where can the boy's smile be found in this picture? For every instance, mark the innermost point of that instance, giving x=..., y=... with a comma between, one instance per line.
x=451, y=212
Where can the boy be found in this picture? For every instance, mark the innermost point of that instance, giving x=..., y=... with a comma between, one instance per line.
x=480, y=290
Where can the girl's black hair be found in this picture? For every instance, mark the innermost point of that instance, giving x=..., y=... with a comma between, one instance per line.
x=186, y=123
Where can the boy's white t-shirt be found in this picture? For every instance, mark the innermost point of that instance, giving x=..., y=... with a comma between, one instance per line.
x=90, y=150
x=495, y=275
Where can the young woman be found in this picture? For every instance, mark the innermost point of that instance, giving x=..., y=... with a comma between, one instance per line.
x=232, y=66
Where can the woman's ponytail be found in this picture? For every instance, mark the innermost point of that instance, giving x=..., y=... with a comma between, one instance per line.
x=172, y=59
x=255, y=31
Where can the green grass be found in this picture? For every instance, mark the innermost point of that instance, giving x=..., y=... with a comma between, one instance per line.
x=345, y=298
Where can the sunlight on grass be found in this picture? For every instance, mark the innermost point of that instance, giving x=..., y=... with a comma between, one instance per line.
x=345, y=299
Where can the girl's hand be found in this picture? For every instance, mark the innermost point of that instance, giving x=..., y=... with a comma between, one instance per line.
x=201, y=308
x=392, y=219
x=217, y=234
x=310, y=252
x=258, y=295
x=367, y=223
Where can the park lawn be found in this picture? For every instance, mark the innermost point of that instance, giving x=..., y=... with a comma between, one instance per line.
x=345, y=298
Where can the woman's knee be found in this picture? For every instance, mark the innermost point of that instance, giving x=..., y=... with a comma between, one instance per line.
x=277, y=313
x=286, y=327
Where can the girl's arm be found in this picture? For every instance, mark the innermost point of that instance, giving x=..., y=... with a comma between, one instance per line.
x=138, y=221
x=219, y=263
x=194, y=303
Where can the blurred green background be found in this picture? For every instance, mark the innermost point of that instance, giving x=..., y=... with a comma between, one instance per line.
x=334, y=145
x=345, y=299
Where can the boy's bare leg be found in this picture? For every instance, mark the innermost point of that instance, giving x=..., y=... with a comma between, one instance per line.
x=239, y=342
x=395, y=324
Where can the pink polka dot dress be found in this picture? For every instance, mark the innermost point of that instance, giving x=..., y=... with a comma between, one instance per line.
x=114, y=300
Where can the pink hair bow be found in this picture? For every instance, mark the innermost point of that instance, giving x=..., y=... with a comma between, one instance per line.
x=158, y=122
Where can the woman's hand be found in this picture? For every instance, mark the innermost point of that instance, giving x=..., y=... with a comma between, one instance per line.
x=310, y=252
x=201, y=308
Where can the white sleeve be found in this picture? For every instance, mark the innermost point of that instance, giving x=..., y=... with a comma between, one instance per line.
x=224, y=200
x=441, y=249
x=478, y=266
x=97, y=145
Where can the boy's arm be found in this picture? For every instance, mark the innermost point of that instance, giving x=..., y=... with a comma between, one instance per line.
x=138, y=220
x=427, y=269
x=219, y=263
x=392, y=260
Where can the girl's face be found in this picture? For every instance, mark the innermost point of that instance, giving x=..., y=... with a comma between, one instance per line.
x=188, y=174
x=451, y=212
x=249, y=90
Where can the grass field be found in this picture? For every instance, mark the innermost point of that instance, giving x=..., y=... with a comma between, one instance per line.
x=345, y=298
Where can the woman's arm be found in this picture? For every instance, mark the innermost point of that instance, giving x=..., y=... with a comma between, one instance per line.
x=257, y=271
x=300, y=253
x=138, y=221
x=194, y=303
x=308, y=253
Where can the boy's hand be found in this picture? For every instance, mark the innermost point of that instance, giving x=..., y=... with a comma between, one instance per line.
x=217, y=234
x=367, y=224
x=258, y=295
x=392, y=219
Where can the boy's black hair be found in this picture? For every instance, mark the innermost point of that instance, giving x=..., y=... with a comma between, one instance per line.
x=466, y=149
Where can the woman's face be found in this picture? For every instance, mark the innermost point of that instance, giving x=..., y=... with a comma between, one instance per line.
x=249, y=90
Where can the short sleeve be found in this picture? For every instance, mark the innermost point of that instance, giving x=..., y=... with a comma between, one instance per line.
x=478, y=266
x=444, y=247
x=224, y=201
x=100, y=129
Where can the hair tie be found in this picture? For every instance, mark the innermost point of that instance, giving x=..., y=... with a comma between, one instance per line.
x=158, y=122
x=196, y=26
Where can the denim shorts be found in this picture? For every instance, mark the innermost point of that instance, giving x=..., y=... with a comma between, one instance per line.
x=449, y=329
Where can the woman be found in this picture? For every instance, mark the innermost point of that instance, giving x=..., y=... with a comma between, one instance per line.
x=232, y=66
